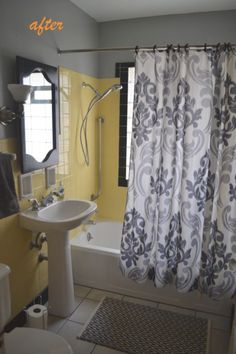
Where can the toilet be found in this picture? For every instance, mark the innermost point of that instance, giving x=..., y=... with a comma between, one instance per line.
x=25, y=340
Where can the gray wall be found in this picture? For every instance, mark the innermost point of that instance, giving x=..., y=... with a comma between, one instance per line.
x=79, y=31
x=212, y=27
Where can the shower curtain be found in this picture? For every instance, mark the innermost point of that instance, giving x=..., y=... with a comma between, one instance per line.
x=180, y=220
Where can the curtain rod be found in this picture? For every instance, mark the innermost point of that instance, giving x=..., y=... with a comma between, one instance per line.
x=160, y=48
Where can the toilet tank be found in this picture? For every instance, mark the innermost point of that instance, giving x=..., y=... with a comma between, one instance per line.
x=5, y=299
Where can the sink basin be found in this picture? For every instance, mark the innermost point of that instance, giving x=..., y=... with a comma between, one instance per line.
x=61, y=215
x=56, y=220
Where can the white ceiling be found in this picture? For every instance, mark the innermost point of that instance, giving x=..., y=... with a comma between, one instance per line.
x=110, y=10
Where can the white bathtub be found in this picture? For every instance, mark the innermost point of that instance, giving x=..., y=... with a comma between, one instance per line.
x=95, y=259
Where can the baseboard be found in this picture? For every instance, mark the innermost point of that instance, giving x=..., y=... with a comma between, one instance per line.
x=154, y=296
x=20, y=319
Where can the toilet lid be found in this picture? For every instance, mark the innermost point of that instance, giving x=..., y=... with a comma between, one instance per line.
x=26, y=340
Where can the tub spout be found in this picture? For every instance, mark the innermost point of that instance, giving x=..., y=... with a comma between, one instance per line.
x=89, y=236
x=90, y=222
x=42, y=257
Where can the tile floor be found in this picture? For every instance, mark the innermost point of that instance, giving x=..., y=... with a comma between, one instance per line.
x=86, y=301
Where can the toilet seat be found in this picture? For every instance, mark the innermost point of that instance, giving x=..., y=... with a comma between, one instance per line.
x=24, y=340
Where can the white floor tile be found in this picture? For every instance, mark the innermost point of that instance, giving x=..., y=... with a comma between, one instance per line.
x=55, y=323
x=217, y=322
x=104, y=350
x=78, y=300
x=81, y=291
x=176, y=309
x=84, y=311
x=96, y=294
x=70, y=332
x=140, y=301
x=219, y=342
x=86, y=301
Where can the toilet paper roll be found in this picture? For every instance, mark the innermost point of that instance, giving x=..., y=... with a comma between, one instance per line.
x=37, y=316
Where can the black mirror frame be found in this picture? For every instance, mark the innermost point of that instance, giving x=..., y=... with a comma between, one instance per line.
x=24, y=67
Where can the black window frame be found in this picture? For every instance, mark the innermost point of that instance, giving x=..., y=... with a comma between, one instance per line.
x=122, y=70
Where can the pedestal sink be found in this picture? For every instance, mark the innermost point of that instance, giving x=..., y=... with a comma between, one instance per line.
x=56, y=220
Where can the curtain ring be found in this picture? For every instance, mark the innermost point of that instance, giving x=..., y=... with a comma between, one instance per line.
x=154, y=48
x=186, y=47
x=178, y=48
x=229, y=46
x=218, y=46
x=205, y=47
x=168, y=48
x=225, y=46
x=136, y=49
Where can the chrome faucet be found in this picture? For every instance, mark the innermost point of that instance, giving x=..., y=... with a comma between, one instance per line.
x=89, y=236
x=60, y=192
x=34, y=204
x=48, y=199
x=89, y=222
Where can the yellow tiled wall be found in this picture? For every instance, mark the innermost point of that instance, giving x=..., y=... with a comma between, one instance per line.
x=79, y=180
x=28, y=277
x=111, y=204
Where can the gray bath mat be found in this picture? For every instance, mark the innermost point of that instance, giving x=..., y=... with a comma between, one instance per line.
x=139, y=329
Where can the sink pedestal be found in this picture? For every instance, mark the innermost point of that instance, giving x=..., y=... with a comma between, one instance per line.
x=56, y=219
x=60, y=278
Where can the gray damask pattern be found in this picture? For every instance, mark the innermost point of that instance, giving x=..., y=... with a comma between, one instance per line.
x=180, y=220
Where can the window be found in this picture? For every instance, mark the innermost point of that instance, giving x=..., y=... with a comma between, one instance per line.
x=126, y=73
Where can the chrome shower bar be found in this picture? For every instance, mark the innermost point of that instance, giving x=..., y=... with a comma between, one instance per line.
x=93, y=197
x=160, y=48
x=89, y=50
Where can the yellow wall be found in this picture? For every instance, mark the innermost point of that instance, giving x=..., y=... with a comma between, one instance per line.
x=111, y=204
x=28, y=277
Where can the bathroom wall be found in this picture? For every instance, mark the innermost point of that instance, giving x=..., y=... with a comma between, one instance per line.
x=80, y=179
x=28, y=277
x=80, y=30
x=199, y=28
x=112, y=201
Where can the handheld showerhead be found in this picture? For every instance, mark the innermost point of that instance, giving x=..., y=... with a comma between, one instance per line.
x=85, y=84
x=97, y=98
x=117, y=87
x=100, y=96
x=111, y=89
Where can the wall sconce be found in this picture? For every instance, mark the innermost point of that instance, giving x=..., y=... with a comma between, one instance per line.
x=20, y=94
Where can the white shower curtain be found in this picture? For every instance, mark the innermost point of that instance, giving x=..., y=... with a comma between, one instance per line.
x=180, y=220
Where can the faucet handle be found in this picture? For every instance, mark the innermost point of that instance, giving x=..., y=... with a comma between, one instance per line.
x=59, y=192
x=48, y=199
x=61, y=188
x=34, y=204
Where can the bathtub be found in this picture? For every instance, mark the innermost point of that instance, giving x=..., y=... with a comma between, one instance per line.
x=95, y=258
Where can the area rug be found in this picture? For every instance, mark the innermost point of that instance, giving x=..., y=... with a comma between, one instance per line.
x=141, y=329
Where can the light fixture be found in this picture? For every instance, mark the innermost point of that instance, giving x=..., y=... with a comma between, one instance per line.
x=20, y=94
